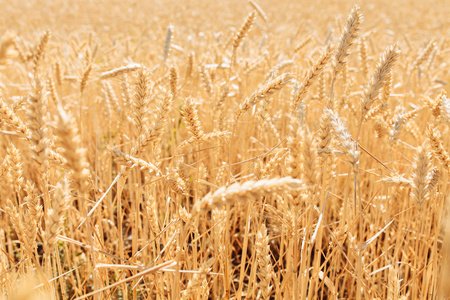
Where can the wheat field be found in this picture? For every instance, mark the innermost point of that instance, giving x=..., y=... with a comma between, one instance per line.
x=224, y=149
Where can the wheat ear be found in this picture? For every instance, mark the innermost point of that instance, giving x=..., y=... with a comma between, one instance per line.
x=141, y=99
x=167, y=42
x=131, y=162
x=348, y=37
x=191, y=119
x=73, y=151
x=10, y=118
x=423, y=56
x=434, y=139
x=394, y=284
x=111, y=99
x=119, y=71
x=363, y=55
x=324, y=137
x=195, y=283
x=32, y=200
x=15, y=167
x=190, y=66
x=154, y=135
x=343, y=136
x=85, y=78
x=249, y=190
x=206, y=81
x=40, y=51
x=419, y=180
x=37, y=119
x=25, y=226
x=152, y=215
x=264, y=91
x=309, y=157
x=303, y=44
x=315, y=71
x=379, y=77
x=265, y=271
x=55, y=215
x=243, y=31
x=207, y=137
x=258, y=8
x=173, y=79
x=441, y=108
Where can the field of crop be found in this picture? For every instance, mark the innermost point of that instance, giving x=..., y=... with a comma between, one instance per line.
x=224, y=149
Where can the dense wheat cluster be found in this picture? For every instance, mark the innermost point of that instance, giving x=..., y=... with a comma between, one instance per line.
x=224, y=149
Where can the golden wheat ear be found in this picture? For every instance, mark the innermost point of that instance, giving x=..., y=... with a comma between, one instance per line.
x=263, y=92
x=119, y=71
x=249, y=190
x=379, y=78
x=142, y=91
x=348, y=37
x=314, y=72
x=342, y=134
x=419, y=180
x=72, y=150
